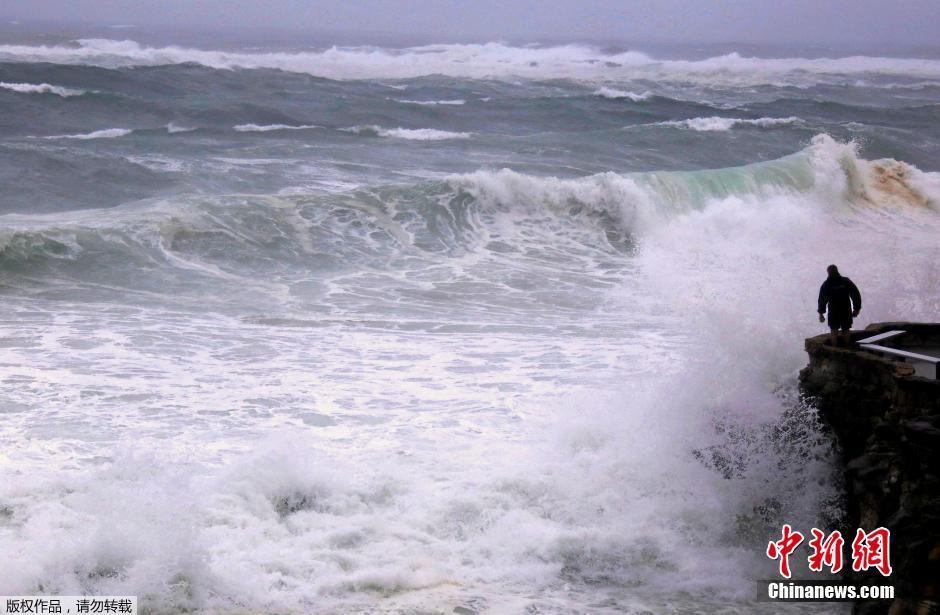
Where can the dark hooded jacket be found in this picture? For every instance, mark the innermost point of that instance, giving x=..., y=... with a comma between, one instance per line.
x=840, y=295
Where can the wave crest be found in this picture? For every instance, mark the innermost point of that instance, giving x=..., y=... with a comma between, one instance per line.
x=716, y=124
x=411, y=134
x=578, y=62
x=605, y=92
x=107, y=133
x=271, y=127
x=432, y=103
x=41, y=88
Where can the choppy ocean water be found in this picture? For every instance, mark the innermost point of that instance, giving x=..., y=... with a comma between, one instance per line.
x=306, y=328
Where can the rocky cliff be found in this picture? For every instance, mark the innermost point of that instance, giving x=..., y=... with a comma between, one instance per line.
x=886, y=421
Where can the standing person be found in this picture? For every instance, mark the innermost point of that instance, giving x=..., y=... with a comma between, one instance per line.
x=843, y=301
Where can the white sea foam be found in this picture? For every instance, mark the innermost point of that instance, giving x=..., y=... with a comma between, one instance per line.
x=432, y=102
x=271, y=127
x=107, y=133
x=174, y=128
x=607, y=92
x=412, y=134
x=41, y=88
x=489, y=60
x=714, y=124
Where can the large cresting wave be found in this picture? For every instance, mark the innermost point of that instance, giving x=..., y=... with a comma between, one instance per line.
x=485, y=211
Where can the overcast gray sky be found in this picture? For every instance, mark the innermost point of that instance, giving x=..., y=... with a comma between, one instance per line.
x=875, y=22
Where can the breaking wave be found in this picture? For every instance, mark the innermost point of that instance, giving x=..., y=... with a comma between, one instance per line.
x=713, y=124
x=107, y=133
x=498, y=60
x=271, y=127
x=614, y=93
x=432, y=103
x=174, y=128
x=41, y=88
x=411, y=134
x=605, y=212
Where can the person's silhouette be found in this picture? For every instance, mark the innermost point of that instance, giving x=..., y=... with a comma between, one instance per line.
x=840, y=296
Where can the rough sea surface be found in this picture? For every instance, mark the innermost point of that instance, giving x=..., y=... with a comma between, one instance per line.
x=307, y=328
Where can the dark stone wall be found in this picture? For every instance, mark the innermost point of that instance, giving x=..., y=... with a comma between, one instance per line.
x=887, y=424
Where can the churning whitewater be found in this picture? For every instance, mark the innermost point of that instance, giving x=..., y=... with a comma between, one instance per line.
x=512, y=329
